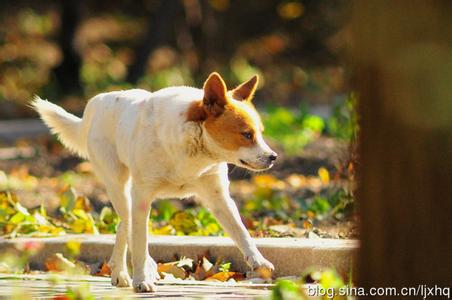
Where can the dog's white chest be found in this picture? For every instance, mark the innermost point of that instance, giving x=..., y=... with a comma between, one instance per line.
x=181, y=181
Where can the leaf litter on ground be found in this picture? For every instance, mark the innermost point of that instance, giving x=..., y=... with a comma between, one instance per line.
x=270, y=207
x=203, y=268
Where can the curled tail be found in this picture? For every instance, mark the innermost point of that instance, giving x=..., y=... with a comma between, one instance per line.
x=67, y=126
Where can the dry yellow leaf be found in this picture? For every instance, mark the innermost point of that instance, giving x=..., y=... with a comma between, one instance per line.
x=221, y=276
x=264, y=272
x=324, y=175
x=184, y=222
x=307, y=224
x=73, y=247
x=171, y=268
x=164, y=230
x=83, y=204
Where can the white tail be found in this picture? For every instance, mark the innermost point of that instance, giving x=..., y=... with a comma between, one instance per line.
x=67, y=126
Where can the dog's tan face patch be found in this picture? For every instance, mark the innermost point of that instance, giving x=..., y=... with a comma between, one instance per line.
x=230, y=118
x=236, y=127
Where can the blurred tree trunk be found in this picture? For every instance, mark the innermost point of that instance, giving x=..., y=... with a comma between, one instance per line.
x=68, y=72
x=157, y=33
x=403, y=62
x=191, y=36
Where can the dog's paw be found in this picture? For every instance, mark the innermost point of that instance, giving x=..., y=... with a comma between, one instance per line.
x=151, y=267
x=257, y=261
x=120, y=278
x=144, y=286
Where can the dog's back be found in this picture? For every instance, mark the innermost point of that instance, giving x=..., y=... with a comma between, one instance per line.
x=102, y=111
x=113, y=116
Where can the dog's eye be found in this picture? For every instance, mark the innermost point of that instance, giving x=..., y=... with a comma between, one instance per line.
x=247, y=135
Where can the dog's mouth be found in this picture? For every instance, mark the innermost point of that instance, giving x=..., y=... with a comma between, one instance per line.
x=254, y=168
x=244, y=163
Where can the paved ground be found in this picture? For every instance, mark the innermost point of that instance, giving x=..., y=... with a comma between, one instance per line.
x=47, y=287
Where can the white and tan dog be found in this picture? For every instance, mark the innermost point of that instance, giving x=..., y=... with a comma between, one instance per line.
x=175, y=142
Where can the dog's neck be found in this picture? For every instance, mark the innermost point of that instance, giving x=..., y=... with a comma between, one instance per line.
x=199, y=144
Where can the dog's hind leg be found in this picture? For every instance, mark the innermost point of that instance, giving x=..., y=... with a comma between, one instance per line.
x=115, y=176
x=120, y=198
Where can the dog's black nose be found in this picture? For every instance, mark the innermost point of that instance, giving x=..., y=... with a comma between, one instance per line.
x=273, y=157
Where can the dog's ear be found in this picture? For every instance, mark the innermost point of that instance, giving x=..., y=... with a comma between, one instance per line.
x=214, y=94
x=246, y=90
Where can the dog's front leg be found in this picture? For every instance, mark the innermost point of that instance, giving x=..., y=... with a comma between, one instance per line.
x=214, y=194
x=144, y=268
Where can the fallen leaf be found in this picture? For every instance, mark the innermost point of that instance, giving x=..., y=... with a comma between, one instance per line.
x=221, y=276
x=238, y=276
x=200, y=273
x=225, y=267
x=67, y=199
x=264, y=272
x=83, y=204
x=313, y=235
x=81, y=268
x=324, y=175
x=280, y=229
x=104, y=270
x=164, y=230
x=184, y=222
x=248, y=222
x=307, y=224
x=73, y=247
x=58, y=263
x=186, y=263
x=171, y=268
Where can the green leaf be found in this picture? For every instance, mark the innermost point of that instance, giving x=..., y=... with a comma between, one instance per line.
x=17, y=218
x=165, y=210
x=107, y=216
x=286, y=289
x=320, y=205
x=184, y=222
x=330, y=279
x=68, y=199
x=225, y=267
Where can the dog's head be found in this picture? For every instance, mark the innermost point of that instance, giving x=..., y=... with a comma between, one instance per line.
x=232, y=124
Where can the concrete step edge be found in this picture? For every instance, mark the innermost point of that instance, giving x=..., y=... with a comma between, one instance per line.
x=290, y=256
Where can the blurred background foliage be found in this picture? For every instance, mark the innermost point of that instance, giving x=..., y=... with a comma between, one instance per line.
x=69, y=50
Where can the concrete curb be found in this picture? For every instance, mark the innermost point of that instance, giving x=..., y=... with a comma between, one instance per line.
x=12, y=130
x=291, y=256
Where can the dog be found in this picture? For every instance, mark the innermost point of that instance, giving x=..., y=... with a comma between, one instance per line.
x=172, y=143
